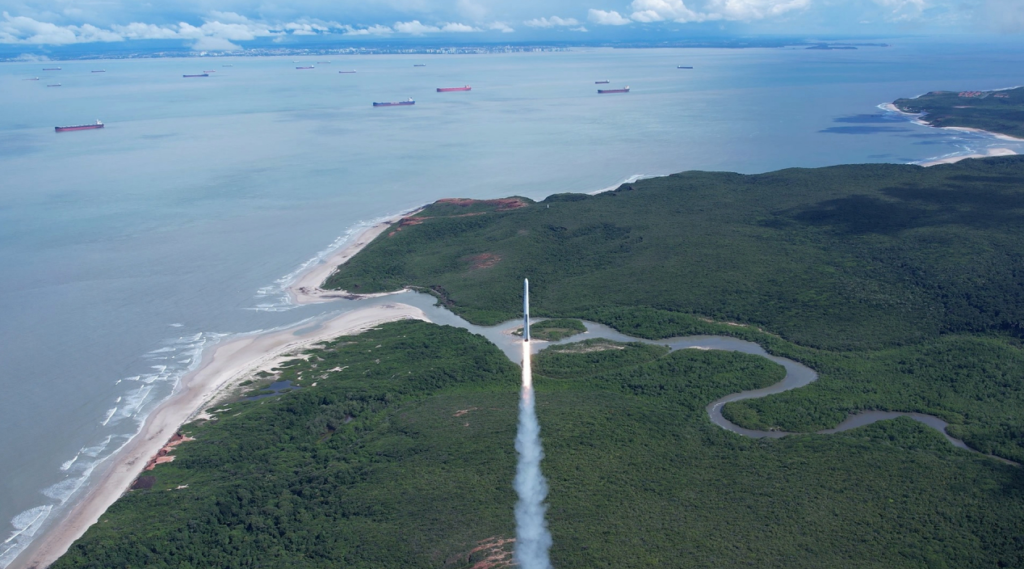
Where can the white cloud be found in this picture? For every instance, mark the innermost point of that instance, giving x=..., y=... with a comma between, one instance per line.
x=658, y=10
x=551, y=22
x=140, y=31
x=415, y=28
x=579, y=29
x=609, y=18
x=500, y=26
x=457, y=27
x=710, y=10
x=376, y=30
x=418, y=28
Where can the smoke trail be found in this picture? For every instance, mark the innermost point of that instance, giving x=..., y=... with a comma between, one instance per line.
x=532, y=537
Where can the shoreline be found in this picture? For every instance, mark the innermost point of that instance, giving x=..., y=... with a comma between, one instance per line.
x=306, y=287
x=919, y=121
x=220, y=369
x=992, y=152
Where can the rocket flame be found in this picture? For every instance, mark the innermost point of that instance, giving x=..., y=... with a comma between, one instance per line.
x=532, y=536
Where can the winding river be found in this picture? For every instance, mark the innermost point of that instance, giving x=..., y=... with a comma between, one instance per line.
x=797, y=374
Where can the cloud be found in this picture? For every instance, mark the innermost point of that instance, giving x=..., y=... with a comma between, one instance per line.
x=551, y=22
x=140, y=31
x=501, y=27
x=610, y=18
x=579, y=29
x=711, y=10
x=415, y=28
x=376, y=30
x=457, y=27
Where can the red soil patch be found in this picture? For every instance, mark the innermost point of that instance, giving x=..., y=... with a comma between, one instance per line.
x=496, y=554
x=502, y=204
x=483, y=261
x=163, y=455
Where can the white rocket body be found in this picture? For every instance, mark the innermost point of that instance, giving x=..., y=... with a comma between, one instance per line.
x=526, y=310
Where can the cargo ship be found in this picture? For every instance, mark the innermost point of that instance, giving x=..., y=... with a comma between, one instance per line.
x=684, y=67
x=395, y=103
x=305, y=67
x=450, y=89
x=51, y=69
x=99, y=70
x=210, y=71
x=419, y=64
x=601, y=82
x=98, y=124
x=54, y=85
x=322, y=62
x=622, y=90
x=346, y=71
x=31, y=79
x=197, y=75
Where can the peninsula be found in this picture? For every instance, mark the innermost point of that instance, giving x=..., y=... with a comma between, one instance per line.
x=899, y=285
x=999, y=112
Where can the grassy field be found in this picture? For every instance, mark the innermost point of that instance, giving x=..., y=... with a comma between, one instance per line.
x=994, y=111
x=402, y=456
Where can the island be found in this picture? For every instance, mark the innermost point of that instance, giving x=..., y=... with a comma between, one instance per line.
x=901, y=286
x=1000, y=112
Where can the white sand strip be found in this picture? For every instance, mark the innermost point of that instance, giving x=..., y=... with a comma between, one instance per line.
x=954, y=159
x=220, y=368
x=306, y=288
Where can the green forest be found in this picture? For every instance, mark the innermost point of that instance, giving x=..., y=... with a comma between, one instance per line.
x=902, y=286
x=401, y=455
x=995, y=111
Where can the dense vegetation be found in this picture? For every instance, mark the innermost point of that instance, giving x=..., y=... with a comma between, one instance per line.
x=902, y=286
x=401, y=455
x=554, y=329
x=846, y=257
x=994, y=111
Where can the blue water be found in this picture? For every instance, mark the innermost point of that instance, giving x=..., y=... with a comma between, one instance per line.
x=127, y=250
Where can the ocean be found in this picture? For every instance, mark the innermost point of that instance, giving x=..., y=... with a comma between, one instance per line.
x=129, y=250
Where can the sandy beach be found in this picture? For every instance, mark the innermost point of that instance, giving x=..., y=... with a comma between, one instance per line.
x=219, y=370
x=953, y=159
x=918, y=120
x=306, y=288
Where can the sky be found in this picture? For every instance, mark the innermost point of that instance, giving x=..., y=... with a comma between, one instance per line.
x=230, y=24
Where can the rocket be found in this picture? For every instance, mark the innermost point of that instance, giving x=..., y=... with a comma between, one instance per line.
x=526, y=310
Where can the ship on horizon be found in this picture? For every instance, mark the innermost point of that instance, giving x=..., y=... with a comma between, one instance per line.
x=99, y=70
x=51, y=69
x=197, y=75
x=684, y=67
x=419, y=64
x=93, y=126
x=622, y=90
x=396, y=103
x=605, y=82
x=305, y=67
x=450, y=89
x=353, y=71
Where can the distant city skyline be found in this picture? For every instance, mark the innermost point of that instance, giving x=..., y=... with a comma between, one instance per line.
x=226, y=25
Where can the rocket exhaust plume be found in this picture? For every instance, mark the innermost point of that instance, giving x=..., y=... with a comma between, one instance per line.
x=532, y=536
